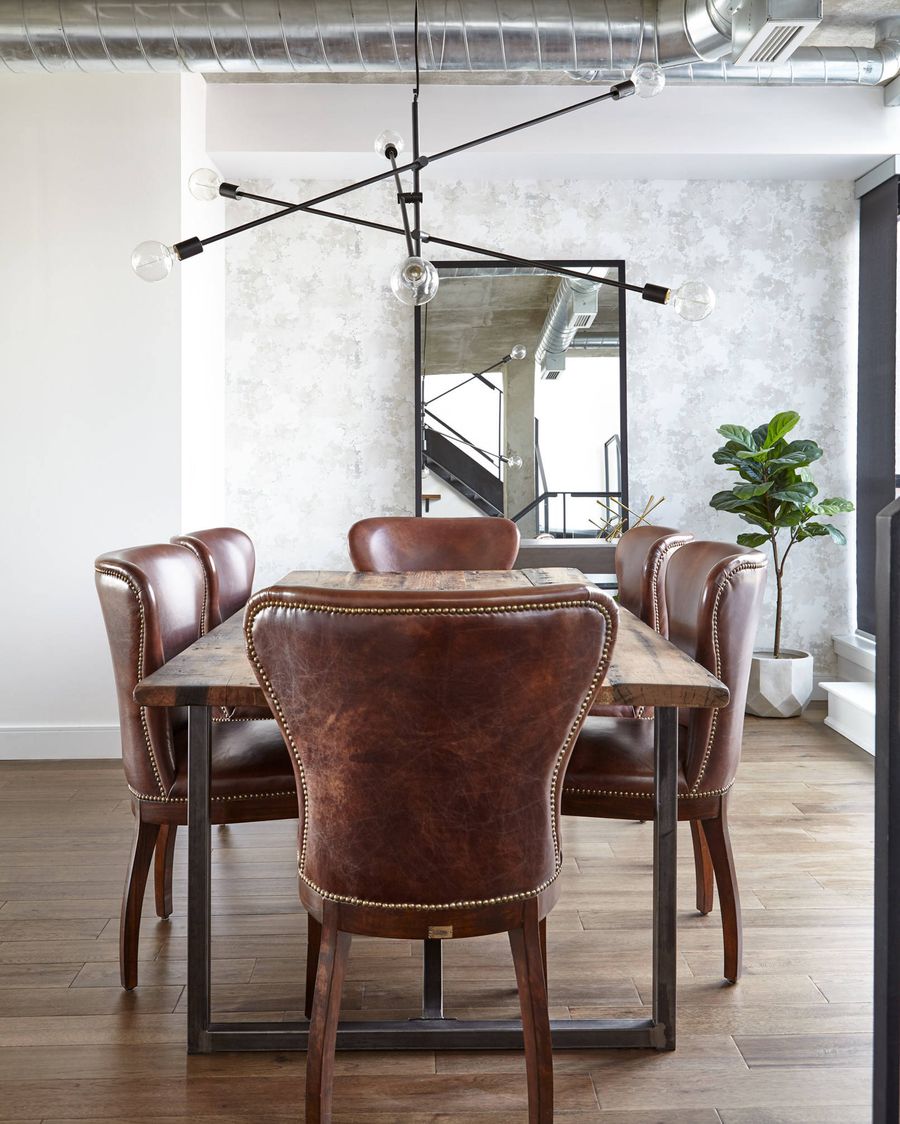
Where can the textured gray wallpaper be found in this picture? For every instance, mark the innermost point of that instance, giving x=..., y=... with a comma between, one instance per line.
x=319, y=418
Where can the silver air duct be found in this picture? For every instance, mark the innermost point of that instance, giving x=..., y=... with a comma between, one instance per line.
x=355, y=36
x=573, y=308
x=606, y=38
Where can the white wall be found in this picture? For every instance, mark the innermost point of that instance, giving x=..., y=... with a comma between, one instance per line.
x=90, y=367
x=320, y=357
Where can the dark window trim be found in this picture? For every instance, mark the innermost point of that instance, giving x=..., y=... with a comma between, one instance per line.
x=876, y=381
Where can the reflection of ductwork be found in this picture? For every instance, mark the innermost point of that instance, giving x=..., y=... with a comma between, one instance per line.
x=573, y=308
x=376, y=37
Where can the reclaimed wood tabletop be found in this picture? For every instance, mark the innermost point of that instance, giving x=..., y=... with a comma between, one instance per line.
x=645, y=670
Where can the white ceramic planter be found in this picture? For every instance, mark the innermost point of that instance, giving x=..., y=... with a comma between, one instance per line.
x=779, y=688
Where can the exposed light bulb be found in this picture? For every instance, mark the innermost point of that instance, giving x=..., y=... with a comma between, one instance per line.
x=388, y=139
x=152, y=261
x=649, y=80
x=518, y=352
x=694, y=300
x=513, y=460
x=204, y=184
x=414, y=281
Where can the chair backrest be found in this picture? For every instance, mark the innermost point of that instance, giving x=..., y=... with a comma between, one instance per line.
x=714, y=593
x=392, y=544
x=430, y=732
x=642, y=556
x=152, y=603
x=229, y=563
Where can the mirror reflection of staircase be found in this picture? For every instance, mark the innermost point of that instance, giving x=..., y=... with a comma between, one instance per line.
x=463, y=473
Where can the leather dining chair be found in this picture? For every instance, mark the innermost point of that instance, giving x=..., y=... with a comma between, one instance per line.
x=429, y=773
x=152, y=601
x=229, y=563
x=642, y=555
x=390, y=544
x=714, y=594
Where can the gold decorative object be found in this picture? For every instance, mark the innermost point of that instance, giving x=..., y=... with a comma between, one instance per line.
x=617, y=521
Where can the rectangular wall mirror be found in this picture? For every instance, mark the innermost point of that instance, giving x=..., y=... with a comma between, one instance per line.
x=539, y=437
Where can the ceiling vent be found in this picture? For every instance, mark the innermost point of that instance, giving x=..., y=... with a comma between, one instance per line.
x=765, y=32
x=574, y=307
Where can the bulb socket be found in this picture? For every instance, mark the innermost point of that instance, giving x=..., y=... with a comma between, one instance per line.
x=229, y=190
x=390, y=152
x=622, y=90
x=658, y=294
x=189, y=248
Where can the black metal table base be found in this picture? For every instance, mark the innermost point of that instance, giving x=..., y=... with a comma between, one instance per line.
x=432, y=1031
x=435, y=1034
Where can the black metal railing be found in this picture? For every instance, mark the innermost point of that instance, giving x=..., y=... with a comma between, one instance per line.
x=562, y=529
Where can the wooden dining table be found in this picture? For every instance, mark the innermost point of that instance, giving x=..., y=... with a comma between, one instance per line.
x=645, y=670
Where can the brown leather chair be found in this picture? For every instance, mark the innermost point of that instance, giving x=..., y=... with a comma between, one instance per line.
x=392, y=544
x=642, y=555
x=429, y=813
x=229, y=562
x=714, y=593
x=152, y=603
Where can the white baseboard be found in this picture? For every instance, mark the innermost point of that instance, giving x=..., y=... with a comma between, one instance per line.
x=59, y=743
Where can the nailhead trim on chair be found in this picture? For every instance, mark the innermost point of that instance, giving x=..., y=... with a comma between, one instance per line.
x=654, y=581
x=271, y=603
x=715, y=627
x=140, y=669
x=204, y=615
x=646, y=795
x=693, y=794
x=235, y=796
x=230, y=717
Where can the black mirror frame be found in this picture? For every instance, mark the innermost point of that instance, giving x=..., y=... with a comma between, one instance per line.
x=568, y=263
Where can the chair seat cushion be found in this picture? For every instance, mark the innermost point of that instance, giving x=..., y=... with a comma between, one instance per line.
x=610, y=774
x=249, y=760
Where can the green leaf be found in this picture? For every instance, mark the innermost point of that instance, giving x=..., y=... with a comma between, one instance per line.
x=727, y=501
x=751, y=538
x=811, y=531
x=757, y=521
x=798, y=493
x=759, y=435
x=797, y=454
x=780, y=425
x=738, y=435
x=839, y=537
x=751, y=491
x=834, y=506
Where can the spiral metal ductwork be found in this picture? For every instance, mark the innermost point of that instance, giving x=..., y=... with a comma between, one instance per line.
x=607, y=37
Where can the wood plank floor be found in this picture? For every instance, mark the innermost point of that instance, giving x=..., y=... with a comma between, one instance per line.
x=790, y=1044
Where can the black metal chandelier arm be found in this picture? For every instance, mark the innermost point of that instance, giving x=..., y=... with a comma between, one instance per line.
x=615, y=93
x=475, y=375
x=659, y=294
x=411, y=249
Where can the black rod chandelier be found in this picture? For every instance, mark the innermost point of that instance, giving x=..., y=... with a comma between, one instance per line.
x=414, y=281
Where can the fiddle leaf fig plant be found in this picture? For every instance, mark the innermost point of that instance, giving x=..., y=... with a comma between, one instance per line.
x=777, y=494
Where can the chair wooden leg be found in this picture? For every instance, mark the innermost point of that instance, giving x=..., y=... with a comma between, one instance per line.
x=542, y=929
x=703, y=868
x=313, y=943
x=719, y=842
x=145, y=835
x=162, y=872
x=333, y=953
x=526, y=950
